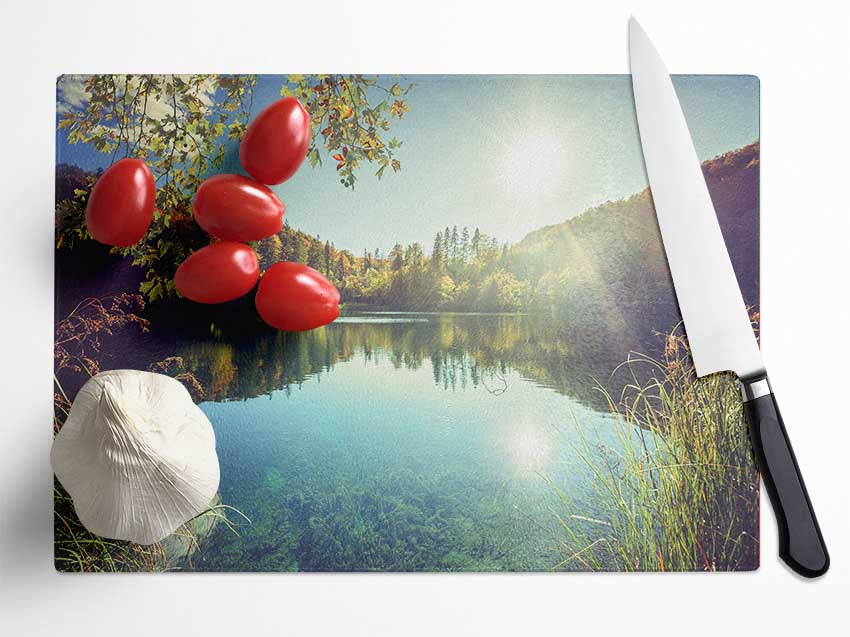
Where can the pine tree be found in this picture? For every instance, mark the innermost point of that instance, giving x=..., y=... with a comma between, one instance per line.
x=315, y=254
x=464, y=245
x=299, y=250
x=414, y=255
x=437, y=252
x=327, y=258
x=476, y=243
x=340, y=271
x=286, y=249
x=397, y=257
x=454, y=245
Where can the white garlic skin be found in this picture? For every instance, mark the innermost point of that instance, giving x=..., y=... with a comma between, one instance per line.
x=136, y=455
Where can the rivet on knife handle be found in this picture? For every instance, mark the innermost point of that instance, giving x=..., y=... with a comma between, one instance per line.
x=801, y=544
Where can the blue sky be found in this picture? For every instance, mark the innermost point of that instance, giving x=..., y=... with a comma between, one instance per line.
x=508, y=154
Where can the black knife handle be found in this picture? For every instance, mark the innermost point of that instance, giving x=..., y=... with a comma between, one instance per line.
x=801, y=544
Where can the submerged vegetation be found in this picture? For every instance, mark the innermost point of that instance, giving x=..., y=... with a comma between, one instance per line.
x=682, y=492
x=391, y=520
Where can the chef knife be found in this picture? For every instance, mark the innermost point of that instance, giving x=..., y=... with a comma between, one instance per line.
x=716, y=322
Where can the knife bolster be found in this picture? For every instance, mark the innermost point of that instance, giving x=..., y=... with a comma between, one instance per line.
x=752, y=388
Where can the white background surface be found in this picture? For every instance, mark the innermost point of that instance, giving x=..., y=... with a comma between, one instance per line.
x=801, y=55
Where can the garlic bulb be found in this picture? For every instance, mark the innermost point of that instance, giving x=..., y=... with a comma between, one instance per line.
x=136, y=455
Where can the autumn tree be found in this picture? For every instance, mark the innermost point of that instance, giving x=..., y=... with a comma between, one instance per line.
x=414, y=256
x=299, y=250
x=270, y=250
x=315, y=255
x=397, y=257
x=342, y=268
x=183, y=125
x=327, y=258
x=350, y=115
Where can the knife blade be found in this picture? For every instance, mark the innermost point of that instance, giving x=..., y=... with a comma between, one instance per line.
x=716, y=320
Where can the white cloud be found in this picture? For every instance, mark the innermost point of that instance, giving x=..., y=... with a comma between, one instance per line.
x=71, y=93
x=72, y=96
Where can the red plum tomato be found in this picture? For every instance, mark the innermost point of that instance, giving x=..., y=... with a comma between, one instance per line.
x=295, y=297
x=219, y=272
x=120, y=206
x=276, y=141
x=237, y=208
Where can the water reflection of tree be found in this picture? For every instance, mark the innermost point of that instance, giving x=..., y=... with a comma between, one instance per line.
x=461, y=350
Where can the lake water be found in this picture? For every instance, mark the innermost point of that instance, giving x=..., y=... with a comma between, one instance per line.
x=398, y=442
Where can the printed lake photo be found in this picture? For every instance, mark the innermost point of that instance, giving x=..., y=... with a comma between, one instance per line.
x=508, y=386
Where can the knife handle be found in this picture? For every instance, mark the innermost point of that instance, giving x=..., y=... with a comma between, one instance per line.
x=801, y=544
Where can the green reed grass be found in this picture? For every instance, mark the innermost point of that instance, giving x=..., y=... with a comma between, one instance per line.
x=681, y=493
x=75, y=549
x=78, y=550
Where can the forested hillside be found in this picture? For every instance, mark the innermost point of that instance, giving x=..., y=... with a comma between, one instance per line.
x=606, y=267
x=601, y=275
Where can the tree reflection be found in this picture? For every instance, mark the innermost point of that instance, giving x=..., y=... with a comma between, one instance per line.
x=463, y=350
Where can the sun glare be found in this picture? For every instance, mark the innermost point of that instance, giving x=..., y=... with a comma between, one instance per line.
x=533, y=164
x=529, y=448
